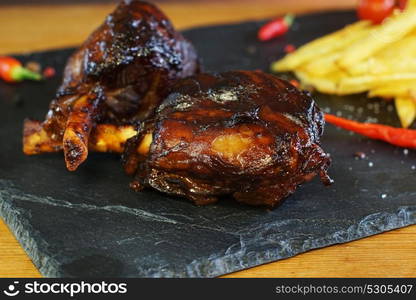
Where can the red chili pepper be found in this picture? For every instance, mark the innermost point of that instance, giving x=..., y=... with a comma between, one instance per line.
x=295, y=83
x=49, y=72
x=11, y=70
x=396, y=136
x=275, y=28
x=289, y=48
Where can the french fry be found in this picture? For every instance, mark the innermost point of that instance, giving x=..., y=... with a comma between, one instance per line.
x=326, y=84
x=405, y=88
x=378, y=59
x=406, y=110
x=360, y=84
x=321, y=46
x=387, y=94
x=396, y=57
x=411, y=4
x=324, y=65
x=394, y=29
x=327, y=63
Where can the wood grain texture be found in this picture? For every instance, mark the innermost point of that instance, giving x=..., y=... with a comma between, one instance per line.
x=13, y=260
x=391, y=254
x=26, y=28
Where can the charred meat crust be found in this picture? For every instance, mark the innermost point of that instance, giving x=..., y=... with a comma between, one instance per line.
x=246, y=134
x=133, y=57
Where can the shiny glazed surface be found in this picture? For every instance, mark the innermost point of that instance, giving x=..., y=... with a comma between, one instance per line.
x=118, y=76
x=242, y=133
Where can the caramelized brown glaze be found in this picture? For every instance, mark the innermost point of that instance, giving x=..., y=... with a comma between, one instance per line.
x=243, y=133
x=118, y=76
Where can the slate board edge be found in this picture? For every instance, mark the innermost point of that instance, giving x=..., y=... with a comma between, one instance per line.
x=23, y=233
x=202, y=267
x=404, y=216
x=212, y=266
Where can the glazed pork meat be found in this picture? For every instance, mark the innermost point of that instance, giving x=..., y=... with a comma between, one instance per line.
x=245, y=134
x=116, y=78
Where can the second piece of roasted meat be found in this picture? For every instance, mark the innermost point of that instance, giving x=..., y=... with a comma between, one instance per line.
x=243, y=133
x=118, y=77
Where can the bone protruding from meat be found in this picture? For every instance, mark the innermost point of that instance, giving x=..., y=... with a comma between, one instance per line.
x=78, y=128
x=119, y=76
x=103, y=138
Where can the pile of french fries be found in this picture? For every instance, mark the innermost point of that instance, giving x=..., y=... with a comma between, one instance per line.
x=362, y=57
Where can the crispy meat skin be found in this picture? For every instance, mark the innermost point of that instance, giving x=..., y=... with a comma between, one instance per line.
x=118, y=76
x=242, y=133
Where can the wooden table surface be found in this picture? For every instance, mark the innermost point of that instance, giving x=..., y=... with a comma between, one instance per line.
x=25, y=28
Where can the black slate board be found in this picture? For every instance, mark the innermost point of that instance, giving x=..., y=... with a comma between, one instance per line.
x=89, y=223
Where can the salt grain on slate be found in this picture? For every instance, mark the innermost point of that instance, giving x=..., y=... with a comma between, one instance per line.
x=359, y=155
